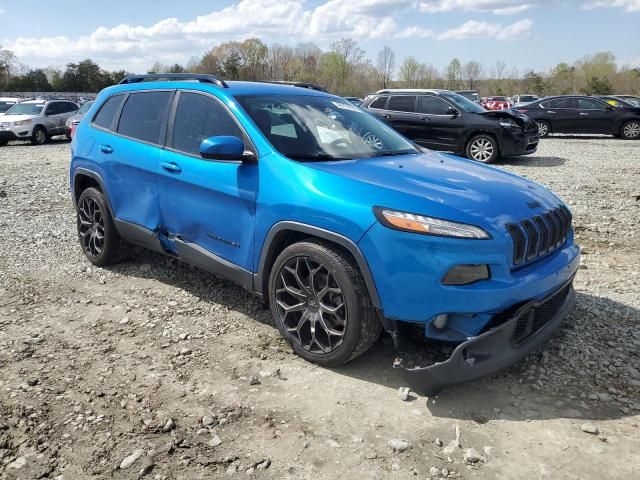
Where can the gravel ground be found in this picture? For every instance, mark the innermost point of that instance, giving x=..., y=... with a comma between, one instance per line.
x=154, y=369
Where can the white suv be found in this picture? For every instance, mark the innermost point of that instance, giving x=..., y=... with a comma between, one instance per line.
x=35, y=120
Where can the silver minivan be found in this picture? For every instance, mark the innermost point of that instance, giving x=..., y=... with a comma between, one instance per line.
x=35, y=120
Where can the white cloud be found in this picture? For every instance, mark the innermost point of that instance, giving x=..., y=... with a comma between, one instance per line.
x=136, y=47
x=497, y=7
x=627, y=5
x=414, y=32
x=475, y=29
x=1, y=11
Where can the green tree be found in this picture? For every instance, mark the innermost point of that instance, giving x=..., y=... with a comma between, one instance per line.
x=408, y=72
x=453, y=74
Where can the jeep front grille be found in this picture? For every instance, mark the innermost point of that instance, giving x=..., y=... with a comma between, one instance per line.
x=540, y=235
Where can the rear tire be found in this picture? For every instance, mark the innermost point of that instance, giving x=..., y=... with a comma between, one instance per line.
x=39, y=136
x=630, y=130
x=544, y=128
x=98, y=236
x=482, y=148
x=321, y=305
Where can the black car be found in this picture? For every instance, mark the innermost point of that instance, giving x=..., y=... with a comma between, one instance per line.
x=583, y=114
x=445, y=120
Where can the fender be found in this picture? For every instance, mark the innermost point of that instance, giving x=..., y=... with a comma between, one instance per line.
x=269, y=252
x=88, y=173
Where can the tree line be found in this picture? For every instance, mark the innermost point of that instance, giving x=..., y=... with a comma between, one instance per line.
x=344, y=69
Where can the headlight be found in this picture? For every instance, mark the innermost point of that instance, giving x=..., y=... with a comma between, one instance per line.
x=410, y=222
x=69, y=122
x=507, y=122
x=22, y=122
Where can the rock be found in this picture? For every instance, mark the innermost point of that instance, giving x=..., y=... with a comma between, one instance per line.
x=131, y=459
x=185, y=351
x=434, y=472
x=169, y=425
x=403, y=393
x=451, y=447
x=214, y=441
x=232, y=469
x=253, y=380
x=17, y=464
x=263, y=465
x=398, y=445
x=33, y=381
x=471, y=455
x=438, y=442
x=125, y=321
x=589, y=428
x=444, y=472
x=208, y=420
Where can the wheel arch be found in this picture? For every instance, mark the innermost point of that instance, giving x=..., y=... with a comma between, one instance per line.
x=286, y=233
x=83, y=179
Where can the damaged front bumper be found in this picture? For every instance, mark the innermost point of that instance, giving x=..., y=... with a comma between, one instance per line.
x=497, y=348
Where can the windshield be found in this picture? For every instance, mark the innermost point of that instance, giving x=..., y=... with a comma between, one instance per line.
x=85, y=107
x=463, y=103
x=635, y=101
x=26, y=109
x=305, y=127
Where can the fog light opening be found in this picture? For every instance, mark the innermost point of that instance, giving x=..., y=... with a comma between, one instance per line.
x=440, y=321
x=466, y=274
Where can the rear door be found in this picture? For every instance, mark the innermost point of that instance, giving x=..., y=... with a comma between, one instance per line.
x=207, y=204
x=562, y=114
x=130, y=133
x=399, y=113
x=436, y=127
x=53, y=121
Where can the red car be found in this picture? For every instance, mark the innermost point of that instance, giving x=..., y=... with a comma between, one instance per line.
x=496, y=103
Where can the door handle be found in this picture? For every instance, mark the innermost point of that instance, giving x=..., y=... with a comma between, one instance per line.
x=106, y=149
x=425, y=119
x=584, y=114
x=386, y=116
x=550, y=111
x=171, y=167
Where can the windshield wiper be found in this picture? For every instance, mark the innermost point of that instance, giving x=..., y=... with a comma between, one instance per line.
x=317, y=156
x=393, y=153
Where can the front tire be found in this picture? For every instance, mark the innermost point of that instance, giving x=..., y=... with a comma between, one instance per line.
x=39, y=136
x=3, y=143
x=482, y=148
x=321, y=305
x=544, y=128
x=630, y=130
x=98, y=236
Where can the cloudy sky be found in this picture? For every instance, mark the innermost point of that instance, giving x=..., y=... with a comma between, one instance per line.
x=133, y=34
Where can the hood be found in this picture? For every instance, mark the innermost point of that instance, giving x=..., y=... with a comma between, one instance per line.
x=446, y=186
x=16, y=118
x=520, y=118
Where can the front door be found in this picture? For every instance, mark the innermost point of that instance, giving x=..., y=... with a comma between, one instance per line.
x=595, y=116
x=435, y=126
x=207, y=206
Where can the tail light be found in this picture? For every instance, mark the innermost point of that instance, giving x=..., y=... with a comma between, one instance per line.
x=72, y=131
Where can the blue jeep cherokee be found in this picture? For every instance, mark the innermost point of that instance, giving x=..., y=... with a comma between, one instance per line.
x=338, y=222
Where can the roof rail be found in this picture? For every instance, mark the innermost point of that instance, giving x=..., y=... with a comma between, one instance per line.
x=175, y=76
x=310, y=86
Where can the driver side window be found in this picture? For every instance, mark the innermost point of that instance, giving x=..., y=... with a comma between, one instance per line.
x=433, y=106
x=198, y=117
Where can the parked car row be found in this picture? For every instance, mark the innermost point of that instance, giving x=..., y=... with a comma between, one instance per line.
x=583, y=114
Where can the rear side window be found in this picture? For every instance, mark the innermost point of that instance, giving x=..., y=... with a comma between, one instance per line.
x=433, y=105
x=589, y=104
x=104, y=117
x=144, y=116
x=402, y=103
x=53, y=109
x=559, y=103
x=378, y=102
x=198, y=117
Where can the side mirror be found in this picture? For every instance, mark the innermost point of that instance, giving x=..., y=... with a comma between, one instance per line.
x=225, y=148
x=610, y=108
x=452, y=111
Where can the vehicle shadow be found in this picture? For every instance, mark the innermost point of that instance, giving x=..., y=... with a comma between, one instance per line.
x=565, y=136
x=532, y=161
x=58, y=139
x=554, y=381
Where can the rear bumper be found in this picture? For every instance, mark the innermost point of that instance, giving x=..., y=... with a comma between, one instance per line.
x=498, y=348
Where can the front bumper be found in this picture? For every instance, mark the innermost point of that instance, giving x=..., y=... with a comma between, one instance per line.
x=512, y=145
x=15, y=133
x=498, y=348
